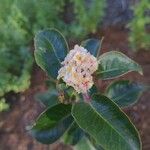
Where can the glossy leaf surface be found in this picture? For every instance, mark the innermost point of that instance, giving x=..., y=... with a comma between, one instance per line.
x=73, y=135
x=113, y=64
x=52, y=124
x=50, y=49
x=92, y=45
x=107, y=124
x=48, y=98
x=124, y=92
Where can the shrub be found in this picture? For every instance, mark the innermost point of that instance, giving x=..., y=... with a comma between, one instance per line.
x=88, y=15
x=75, y=110
x=139, y=36
x=3, y=105
x=15, y=59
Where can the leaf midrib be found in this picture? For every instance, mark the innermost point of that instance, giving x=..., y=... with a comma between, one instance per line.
x=109, y=124
x=52, y=48
x=109, y=70
x=55, y=124
x=83, y=128
x=123, y=95
x=138, y=68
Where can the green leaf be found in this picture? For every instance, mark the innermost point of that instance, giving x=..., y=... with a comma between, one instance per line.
x=124, y=92
x=84, y=144
x=52, y=124
x=48, y=98
x=93, y=90
x=73, y=135
x=50, y=49
x=92, y=45
x=113, y=64
x=107, y=124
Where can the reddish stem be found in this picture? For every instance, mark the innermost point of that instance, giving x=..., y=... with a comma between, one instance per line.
x=86, y=98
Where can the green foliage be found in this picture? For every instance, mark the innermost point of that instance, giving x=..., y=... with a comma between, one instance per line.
x=50, y=13
x=88, y=15
x=99, y=124
x=3, y=105
x=139, y=36
x=47, y=44
x=73, y=135
x=15, y=72
x=15, y=59
x=45, y=97
x=92, y=45
x=114, y=64
x=41, y=14
x=20, y=19
x=124, y=92
x=84, y=144
x=52, y=123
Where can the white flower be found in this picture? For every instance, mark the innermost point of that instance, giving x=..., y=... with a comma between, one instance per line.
x=77, y=69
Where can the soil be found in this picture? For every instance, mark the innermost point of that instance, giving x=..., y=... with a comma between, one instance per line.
x=25, y=109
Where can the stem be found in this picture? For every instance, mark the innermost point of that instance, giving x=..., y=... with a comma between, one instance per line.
x=86, y=98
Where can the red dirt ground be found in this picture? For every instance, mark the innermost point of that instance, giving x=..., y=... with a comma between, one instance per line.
x=25, y=109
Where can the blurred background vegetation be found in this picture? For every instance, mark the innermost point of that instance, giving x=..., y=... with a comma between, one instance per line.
x=140, y=26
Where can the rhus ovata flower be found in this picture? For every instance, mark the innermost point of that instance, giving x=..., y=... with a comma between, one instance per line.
x=77, y=69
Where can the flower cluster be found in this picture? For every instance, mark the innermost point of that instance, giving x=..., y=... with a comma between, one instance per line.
x=77, y=69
